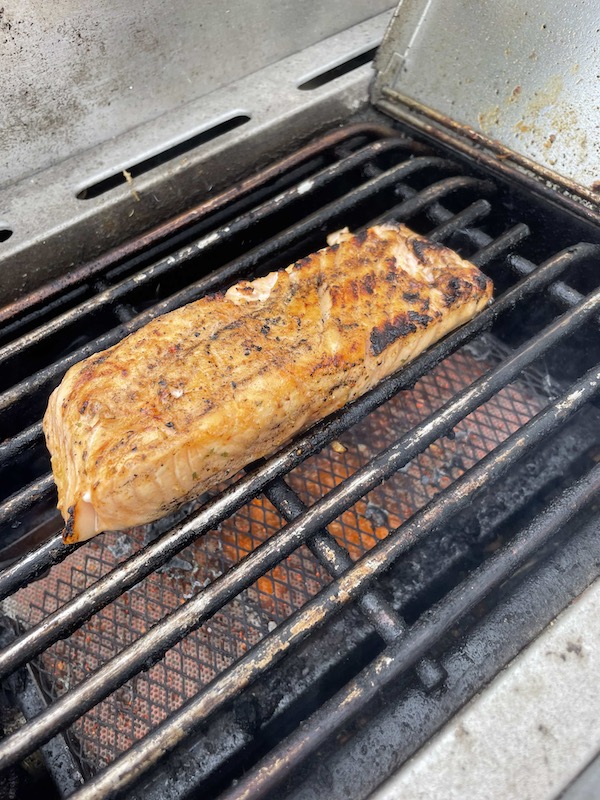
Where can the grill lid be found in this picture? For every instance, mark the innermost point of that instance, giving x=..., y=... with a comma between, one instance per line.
x=518, y=78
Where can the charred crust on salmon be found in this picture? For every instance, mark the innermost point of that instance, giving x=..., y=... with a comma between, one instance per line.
x=419, y=248
x=69, y=529
x=454, y=290
x=423, y=247
x=368, y=283
x=420, y=319
x=214, y=296
x=334, y=361
x=390, y=332
x=302, y=262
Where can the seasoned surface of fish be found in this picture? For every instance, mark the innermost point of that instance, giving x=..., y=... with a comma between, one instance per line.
x=200, y=392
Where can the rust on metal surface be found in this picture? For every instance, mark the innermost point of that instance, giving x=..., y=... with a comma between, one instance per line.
x=477, y=145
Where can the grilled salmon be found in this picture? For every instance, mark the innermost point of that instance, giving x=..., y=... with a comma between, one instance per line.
x=192, y=397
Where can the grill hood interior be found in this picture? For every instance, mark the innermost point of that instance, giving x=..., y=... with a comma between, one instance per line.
x=518, y=79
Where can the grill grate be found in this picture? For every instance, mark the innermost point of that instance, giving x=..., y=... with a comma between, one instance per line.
x=114, y=725
x=207, y=602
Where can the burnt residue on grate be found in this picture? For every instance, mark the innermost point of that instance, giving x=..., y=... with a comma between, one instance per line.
x=182, y=654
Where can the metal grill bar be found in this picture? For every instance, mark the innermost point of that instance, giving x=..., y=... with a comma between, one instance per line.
x=57, y=753
x=469, y=215
x=564, y=294
x=437, y=213
x=265, y=778
x=34, y=564
x=336, y=561
x=147, y=560
x=443, y=217
x=26, y=497
x=109, y=295
x=419, y=201
x=49, y=297
x=11, y=448
x=499, y=246
x=409, y=718
x=152, y=645
x=123, y=772
x=330, y=214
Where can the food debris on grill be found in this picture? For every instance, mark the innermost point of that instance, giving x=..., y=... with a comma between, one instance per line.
x=338, y=447
x=195, y=395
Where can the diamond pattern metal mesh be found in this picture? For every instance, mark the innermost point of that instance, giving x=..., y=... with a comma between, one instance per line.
x=146, y=700
x=387, y=506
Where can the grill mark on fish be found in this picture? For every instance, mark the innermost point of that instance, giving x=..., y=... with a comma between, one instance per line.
x=420, y=319
x=390, y=332
x=422, y=248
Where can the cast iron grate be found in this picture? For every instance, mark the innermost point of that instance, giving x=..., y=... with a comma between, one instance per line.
x=137, y=648
x=114, y=725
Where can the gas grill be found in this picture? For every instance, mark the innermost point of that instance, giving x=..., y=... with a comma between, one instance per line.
x=306, y=628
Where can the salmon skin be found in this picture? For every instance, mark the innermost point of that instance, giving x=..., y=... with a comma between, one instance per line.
x=195, y=395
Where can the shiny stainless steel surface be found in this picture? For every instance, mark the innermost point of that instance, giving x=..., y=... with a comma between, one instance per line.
x=54, y=231
x=79, y=74
x=520, y=76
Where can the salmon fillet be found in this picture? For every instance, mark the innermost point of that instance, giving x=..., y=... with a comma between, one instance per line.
x=195, y=395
